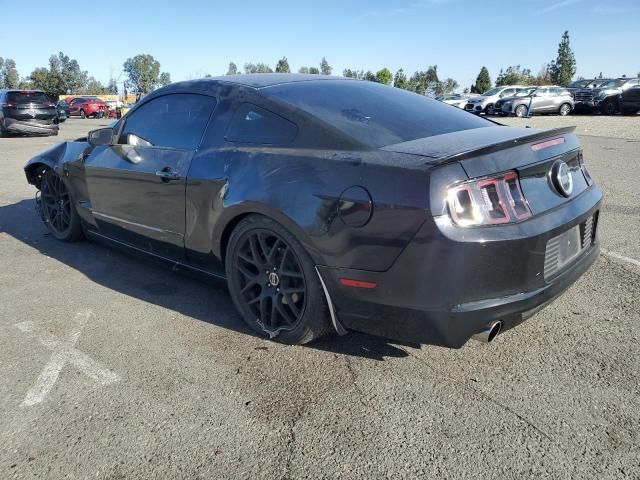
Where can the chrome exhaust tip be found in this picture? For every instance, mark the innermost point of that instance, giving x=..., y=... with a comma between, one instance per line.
x=485, y=336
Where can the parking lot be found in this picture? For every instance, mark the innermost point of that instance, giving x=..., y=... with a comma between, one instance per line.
x=115, y=367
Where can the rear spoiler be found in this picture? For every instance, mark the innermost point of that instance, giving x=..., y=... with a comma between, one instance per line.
x=502, y=145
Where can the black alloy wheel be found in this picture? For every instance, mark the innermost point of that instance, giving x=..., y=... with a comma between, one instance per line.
x=57, y=208
x=609, y=107
x=273, y=282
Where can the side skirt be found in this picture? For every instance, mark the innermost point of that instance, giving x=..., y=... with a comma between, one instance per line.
x=175, y=265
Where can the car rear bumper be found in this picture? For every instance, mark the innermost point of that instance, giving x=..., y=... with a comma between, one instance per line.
x=451, y=283
x=33, y=127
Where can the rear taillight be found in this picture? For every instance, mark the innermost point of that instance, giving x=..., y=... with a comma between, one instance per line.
x=488, y=201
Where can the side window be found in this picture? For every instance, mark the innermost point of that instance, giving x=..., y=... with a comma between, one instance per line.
x=174, y=121
x=252, y=124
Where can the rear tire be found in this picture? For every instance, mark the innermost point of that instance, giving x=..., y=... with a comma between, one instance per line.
x=274, y=284
x=82, y=114
x=564, y=110
x=58, y=209
x=521, y=111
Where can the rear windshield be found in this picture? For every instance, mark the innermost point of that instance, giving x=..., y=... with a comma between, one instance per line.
x=374, y=114
x=21, y=98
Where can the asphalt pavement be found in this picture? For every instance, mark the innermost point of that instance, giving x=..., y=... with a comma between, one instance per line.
x=115, y=367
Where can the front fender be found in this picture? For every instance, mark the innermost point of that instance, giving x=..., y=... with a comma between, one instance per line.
x=53, y=158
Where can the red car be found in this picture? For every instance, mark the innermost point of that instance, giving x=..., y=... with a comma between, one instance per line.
x=86, y=107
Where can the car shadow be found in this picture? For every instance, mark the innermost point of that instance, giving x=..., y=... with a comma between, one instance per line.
x=141, y=277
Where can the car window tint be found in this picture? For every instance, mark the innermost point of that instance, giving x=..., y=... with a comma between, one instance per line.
x=252, y=124
x=374, y=114
x=174, y=121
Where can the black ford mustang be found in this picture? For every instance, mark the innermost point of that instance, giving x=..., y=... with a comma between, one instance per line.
x=334, y=203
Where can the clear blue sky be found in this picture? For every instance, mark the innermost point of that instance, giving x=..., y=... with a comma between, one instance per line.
x=193, y=37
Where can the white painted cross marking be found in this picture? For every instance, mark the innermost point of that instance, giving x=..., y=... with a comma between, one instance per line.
x=64, y=352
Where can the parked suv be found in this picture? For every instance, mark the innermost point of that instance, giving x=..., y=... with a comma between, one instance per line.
x=523, y=92
x=629, y=101
x=484, y=103
x=548, y=99
x=86, y=107
x=606, y=96
x=27, y=112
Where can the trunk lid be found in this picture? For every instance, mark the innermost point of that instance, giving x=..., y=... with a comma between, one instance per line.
x=493, y=150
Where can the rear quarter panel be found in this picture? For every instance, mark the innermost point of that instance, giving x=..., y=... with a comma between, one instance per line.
x=302, y=189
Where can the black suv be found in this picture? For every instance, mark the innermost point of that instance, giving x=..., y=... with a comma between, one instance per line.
x=606, y=96
x=629, y=101
x=27, y=112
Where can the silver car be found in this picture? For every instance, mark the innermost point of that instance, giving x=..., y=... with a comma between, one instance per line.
x=548, y=99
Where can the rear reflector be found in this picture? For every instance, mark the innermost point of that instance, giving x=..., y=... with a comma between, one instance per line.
x=348, y=282
x=549, y=143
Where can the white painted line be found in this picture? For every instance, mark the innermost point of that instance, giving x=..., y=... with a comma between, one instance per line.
x=632, y=261
x=64, y=352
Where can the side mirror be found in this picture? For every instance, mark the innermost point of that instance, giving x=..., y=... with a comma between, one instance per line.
x=101, y=136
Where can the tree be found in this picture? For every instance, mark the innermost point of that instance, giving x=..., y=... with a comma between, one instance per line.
x=283, y=66
x=400, y=80
x=9, y=77
x=563, y=68
x=425, y=83
x=324, y=67
x=514, y=75
x=483, y=81
x=93, y=87
x=384, y=76
x=164, y=79
x=112, y=87
x=314, y=71
x=144, y=74
x=66, y=71
x=39, y=79
x=544, y=76
x=303, y=70
x=257, y=68
x=347, y=72
x=233, y=69
x=445, y=87
x=369, y=76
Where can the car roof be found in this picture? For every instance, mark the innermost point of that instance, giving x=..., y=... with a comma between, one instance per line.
x=20, y=90
x=262, y=80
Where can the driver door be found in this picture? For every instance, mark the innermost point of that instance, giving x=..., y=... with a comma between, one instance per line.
x=137, y=187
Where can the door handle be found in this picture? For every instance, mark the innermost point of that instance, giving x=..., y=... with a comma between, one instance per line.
x=167, y=173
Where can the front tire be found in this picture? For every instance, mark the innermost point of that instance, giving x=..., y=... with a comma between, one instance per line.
x=608, y=108
x=58, y=211
x=564, y=110
x=273, y=282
